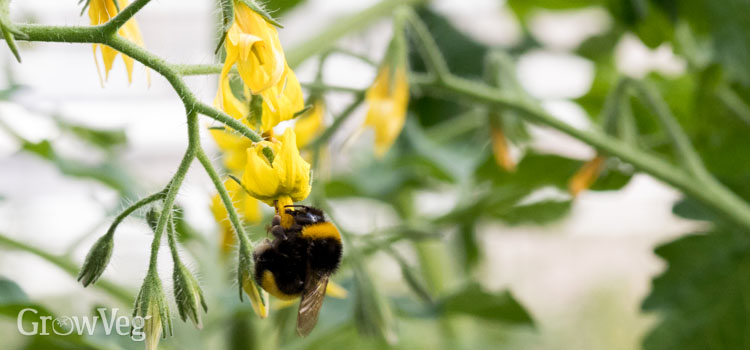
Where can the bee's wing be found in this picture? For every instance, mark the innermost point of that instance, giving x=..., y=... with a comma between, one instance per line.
x=310, y=302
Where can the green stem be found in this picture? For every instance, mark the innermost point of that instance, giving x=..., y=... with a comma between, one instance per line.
x=135, y=206
x=245, y=245
x=681, y=142
x=124, y=16
x=172, y=240
x=174, y=187
x=96, y=35
x=329, y=131
x=70, y=267
x=324, y=40
x=716, y=196
x=325, y=87
x=734, y=102
x=197, y=69
x=427, y=46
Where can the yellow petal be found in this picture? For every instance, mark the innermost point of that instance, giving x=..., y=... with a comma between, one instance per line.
x=501, y=150
x=287, y=176
x=261, y=61
x=387, y=100
x=258, y=297
x=309, y=126
x=335, y=290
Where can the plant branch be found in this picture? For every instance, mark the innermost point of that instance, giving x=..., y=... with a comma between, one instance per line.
x=96, y=35
x=329, y=131
x=173, y=187
x=685, y=151
x=245, y=244
x=135, y=206
x=124, y=16
x=716, y=196
x=427, y=46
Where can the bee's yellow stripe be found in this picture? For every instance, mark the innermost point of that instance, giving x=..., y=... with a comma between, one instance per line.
x=321, y=230
x=269, y=284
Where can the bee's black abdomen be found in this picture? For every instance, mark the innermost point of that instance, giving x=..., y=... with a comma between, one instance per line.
x=325, y=254
x=286, y=260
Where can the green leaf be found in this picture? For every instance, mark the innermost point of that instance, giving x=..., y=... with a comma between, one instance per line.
x=104, y=139
x=108, y=172
x=11, y=293
x=473, y=301
x=702, y=297
x=542, y=212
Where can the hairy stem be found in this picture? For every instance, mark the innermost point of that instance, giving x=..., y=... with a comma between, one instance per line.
x=245, y=244
x=173, y=187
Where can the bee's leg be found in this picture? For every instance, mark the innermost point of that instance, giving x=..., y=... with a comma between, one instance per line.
x=276, y=221
x=278, y=232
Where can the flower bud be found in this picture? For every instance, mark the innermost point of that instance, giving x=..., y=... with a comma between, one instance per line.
x=188, y=295
x=151, y=305
x=96, y=260
x=258, y=296
x=586, y=176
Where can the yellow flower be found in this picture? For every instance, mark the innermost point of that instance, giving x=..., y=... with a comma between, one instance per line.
x=247, y=208
x=258, y=296
x=387, y=98
x=586, y=176
x=309, y=125
x=100, y=11
x=282, y=101
x=284, y=177
x=500, y=149
x=254, y=45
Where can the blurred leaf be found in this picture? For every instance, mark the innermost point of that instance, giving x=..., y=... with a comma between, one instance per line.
x=11, y=293
x=702, y=297
x=107, y=172
x=472, y=300
x=104, y=139
x=542, y=212
x=523, y=8
x=372, y=312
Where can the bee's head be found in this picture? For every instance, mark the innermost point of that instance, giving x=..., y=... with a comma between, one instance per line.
x=304, y=215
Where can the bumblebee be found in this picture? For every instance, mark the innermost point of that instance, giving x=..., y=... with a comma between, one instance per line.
x=305, y=251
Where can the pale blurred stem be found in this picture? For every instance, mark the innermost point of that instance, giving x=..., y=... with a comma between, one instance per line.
x=70, y=267
x=337, y=123
x=684, y=149
x=734, y=102
x=245, y=245
x=710, y=192
x=174, y=186
x=428, y=49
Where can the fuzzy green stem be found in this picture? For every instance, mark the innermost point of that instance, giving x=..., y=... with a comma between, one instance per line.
x=245, y=244
x=174, y=187
x=135, y=206
x=96, y=35
x=124, y=16
x=118, y=292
